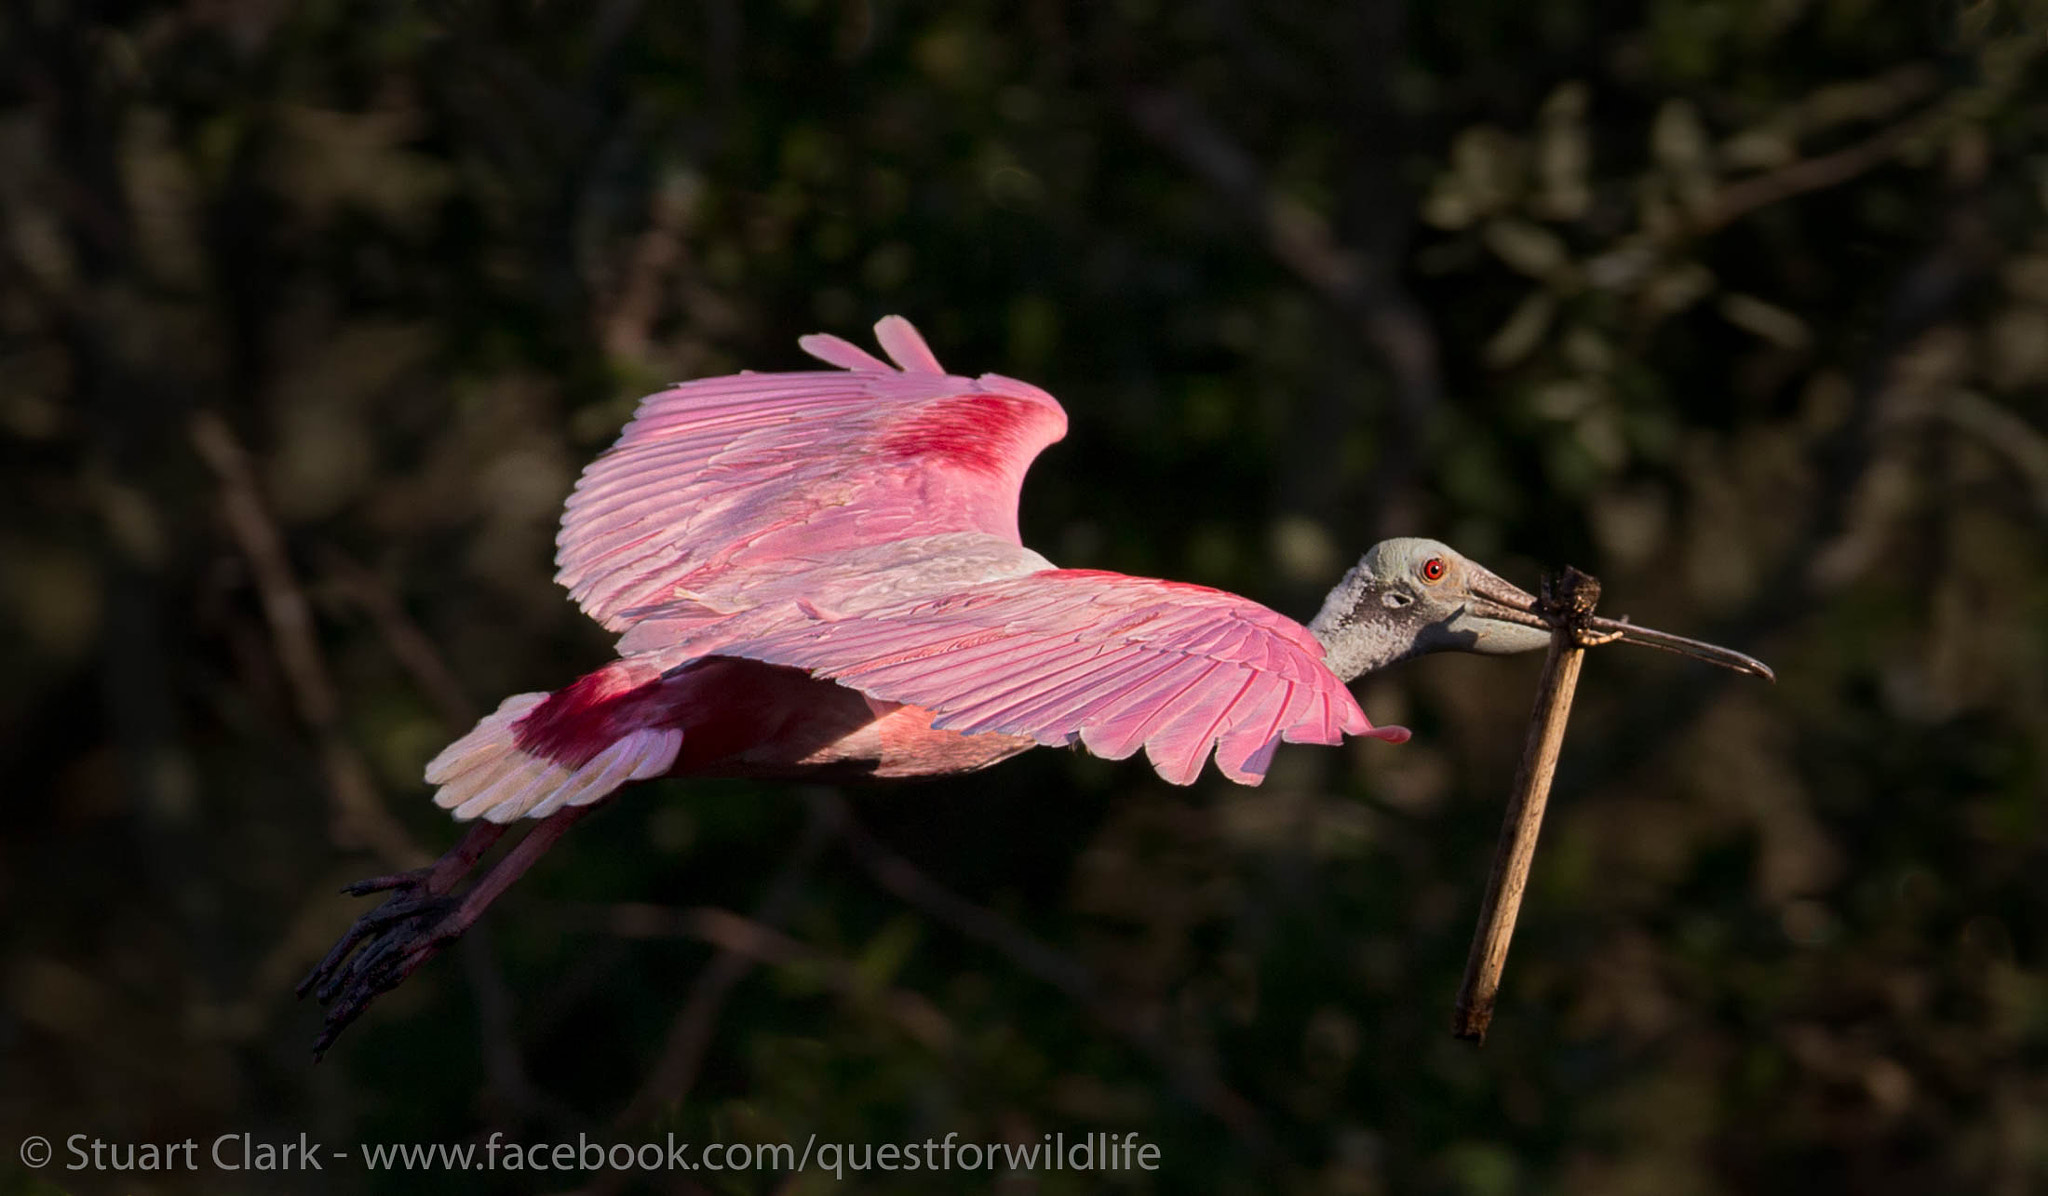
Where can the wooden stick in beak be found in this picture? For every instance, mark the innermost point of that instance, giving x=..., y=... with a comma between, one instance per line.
x=1567, y=602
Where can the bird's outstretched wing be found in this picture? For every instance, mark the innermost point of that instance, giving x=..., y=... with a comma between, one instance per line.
x=1117, y=662
x=863, y=525
x=719, y=483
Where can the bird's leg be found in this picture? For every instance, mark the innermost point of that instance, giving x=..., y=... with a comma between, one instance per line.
x=418, y=890
x=422, y=916
x=441, y=875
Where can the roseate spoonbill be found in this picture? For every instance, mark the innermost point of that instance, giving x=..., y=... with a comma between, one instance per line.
x=818, y=575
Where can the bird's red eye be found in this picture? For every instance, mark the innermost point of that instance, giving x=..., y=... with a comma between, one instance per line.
x=1433, y=569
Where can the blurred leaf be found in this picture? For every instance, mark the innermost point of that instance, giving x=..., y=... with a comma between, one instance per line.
x=1528, y=248
x=1769, y=321
x=1523, y=331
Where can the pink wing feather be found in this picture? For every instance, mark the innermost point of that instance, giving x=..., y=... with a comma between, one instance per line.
x=1117, y=662
x=720, y=482
x=863, y=525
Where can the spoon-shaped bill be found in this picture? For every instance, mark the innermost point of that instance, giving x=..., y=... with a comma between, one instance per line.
x=1727, y=658
x=1506, y=602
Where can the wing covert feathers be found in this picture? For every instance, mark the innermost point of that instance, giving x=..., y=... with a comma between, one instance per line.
x=1115, y=662
x=717, y=483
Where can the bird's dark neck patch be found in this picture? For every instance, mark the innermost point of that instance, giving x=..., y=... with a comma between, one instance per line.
x=1359, y=631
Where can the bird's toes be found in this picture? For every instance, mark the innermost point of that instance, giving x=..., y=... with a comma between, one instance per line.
x=387, y=922
x=410, y=879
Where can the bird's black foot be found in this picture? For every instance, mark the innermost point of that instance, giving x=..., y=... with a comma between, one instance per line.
x=395, y=940
x=422, y=916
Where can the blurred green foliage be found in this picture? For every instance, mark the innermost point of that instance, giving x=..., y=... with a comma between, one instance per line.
x=1741, y=305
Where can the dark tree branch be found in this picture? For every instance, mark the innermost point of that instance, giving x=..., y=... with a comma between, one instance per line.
x=1929, y=293
x=760, y=943
x=690, y=1033
x=1361, y=286
x=1739, y=199
x=411, y=647
x=1195, y=1082
x=360, y=819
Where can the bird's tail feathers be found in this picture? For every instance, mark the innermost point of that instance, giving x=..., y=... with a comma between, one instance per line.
x=486, y=774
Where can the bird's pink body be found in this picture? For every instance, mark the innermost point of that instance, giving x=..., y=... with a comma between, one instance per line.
x=819, y=573
x=742, y=718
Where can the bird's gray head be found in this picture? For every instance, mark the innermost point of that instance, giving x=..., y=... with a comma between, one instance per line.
x=1409, y=596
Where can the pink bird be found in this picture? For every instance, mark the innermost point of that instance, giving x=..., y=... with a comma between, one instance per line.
x=818, y=575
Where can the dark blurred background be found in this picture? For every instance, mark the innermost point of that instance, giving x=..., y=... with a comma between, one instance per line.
x=310, y=313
